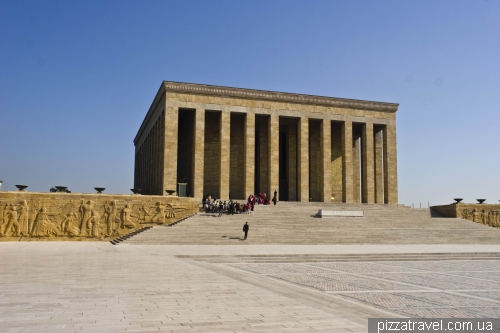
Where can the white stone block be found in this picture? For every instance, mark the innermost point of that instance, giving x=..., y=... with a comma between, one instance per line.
x=340, y=213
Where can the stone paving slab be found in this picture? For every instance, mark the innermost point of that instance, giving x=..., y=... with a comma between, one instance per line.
x=98, y=287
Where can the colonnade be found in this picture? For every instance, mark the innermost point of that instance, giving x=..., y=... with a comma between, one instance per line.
x=365, y=152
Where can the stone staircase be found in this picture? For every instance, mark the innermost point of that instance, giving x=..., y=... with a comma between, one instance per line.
x=295, y=223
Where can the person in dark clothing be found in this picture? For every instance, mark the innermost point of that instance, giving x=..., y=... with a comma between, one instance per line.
x=275, y=199
x=245, y=229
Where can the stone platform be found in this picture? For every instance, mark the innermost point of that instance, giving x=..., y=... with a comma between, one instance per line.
x=97, y=287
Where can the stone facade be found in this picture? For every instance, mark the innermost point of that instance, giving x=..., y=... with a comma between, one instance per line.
x=32, y=216
x=232, y=142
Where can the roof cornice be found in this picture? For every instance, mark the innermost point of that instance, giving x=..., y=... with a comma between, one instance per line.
x=204, y=89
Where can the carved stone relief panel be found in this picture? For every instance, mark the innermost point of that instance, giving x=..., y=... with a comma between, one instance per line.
x=484, y=214
x=40, y=216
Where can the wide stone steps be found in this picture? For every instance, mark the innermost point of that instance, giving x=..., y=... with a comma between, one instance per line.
x=294, y=223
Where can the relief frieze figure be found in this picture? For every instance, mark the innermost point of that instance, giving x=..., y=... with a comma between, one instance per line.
x=111, y=217
x=127, y=216
x=24, y=218
x=85, y=213
x=93, y=224
x=67, y=225
x=42, y=226
x=12, y=226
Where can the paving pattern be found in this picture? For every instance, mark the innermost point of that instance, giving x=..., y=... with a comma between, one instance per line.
x=98, y=287
x=456, y=288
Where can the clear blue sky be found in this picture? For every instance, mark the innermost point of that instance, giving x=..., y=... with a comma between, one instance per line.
x=77, y=78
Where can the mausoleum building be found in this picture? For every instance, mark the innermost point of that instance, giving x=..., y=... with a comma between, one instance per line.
x=232, y=142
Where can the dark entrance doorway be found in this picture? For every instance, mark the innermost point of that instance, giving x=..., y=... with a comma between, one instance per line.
x=185, y=150
x=288, y=159
x=262, y=154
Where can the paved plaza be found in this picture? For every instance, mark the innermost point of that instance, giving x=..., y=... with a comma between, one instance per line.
x=98, y=287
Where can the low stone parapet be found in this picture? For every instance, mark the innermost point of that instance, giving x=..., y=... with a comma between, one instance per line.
x=74, y=216
x=340, y=213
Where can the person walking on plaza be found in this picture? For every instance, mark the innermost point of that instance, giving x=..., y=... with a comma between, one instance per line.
x=245, y=229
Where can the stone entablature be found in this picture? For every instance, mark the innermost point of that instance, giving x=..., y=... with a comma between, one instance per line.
x=204, y=89
x=488, y=214
x=32, y=216
x=261, y=102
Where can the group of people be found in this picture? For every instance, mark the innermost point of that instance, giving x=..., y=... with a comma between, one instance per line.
x=219, y=207
x=262, y=199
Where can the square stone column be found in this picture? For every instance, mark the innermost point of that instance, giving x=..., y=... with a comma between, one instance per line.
x=225, y=131
x=390, y=165
x=274, y=155
x=170, y=145
x=249, y=153
x=368, y=164
x=199, y=153
x=379, y=185
x=356, y=168
x=156, y=180
x=326, y=157
x=347, y=163
x=160, y=151
x=303, y=159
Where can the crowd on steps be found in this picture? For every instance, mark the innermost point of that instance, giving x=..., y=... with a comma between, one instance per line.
x=217, y=206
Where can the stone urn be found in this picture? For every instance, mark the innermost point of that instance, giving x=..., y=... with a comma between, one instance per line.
x=481, y=200
x=99, y=189
x=457, y=200
x=136, y=190
x=22, y=187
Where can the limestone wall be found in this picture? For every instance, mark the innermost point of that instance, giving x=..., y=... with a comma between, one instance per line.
x=488, y=214
x=32, y=216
